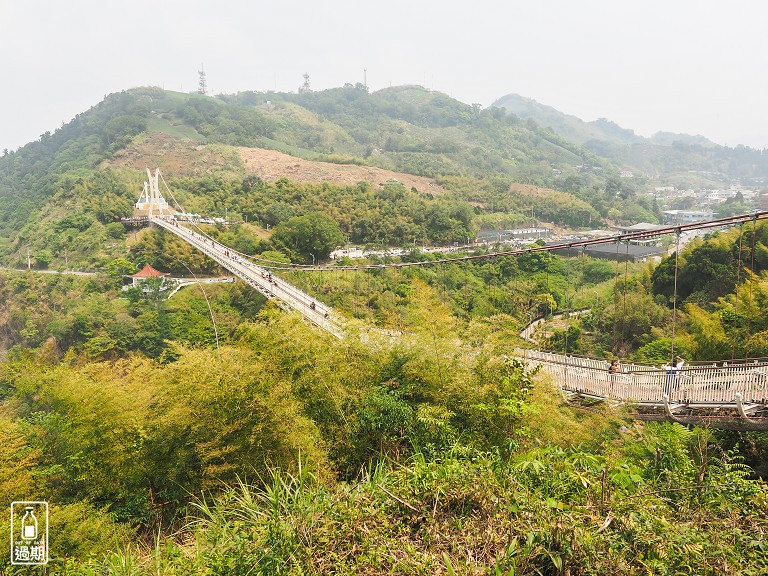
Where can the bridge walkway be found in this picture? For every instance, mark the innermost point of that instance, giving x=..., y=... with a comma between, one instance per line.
x=287, y=295
x=737, y=390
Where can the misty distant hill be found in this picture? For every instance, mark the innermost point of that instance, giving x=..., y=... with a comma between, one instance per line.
x=664, y=154
x=566, y=125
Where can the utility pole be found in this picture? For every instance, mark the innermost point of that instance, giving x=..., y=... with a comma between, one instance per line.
x=29, y=261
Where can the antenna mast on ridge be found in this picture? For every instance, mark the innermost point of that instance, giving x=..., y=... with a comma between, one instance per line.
x=202, y=88
x=305, y=87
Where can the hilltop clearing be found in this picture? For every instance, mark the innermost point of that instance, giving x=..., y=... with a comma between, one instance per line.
x=175, y=156
x=189, y=158
x=270, y=165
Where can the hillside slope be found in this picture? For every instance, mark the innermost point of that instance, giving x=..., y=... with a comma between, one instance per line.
x=76, y=182
x=183, y=157
x=406, y=129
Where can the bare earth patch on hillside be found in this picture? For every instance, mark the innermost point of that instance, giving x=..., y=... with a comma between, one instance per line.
x=177, y=157
x=270, y=165
x=530, y=189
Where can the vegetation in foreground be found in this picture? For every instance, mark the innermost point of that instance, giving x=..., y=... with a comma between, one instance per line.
x=539, y=511
x=283, y=451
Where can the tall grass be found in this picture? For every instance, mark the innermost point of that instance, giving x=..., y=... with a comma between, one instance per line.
x=543, y=511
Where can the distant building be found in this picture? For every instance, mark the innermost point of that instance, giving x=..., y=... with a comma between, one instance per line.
x=516, y=234
x=612, y=251
x=642, y=227
x=639, y=227
x=147, y=272
x=687, y=216
x=713, y=197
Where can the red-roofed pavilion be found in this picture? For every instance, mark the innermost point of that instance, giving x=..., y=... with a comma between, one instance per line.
x=147, y=272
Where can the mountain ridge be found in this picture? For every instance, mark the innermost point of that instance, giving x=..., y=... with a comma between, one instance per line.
x=663, y=154
x=581, y=131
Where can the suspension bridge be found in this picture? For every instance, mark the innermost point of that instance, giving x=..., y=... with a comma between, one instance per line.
x=154, y=209
x=723, y=395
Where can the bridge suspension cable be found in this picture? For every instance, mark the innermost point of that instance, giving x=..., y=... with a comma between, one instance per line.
x=618, y=238
x=674, y=300
x=736, y=300
x=751, y=282
x=616, y=300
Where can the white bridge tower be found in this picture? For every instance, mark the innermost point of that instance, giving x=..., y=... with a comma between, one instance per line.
x=151, y=202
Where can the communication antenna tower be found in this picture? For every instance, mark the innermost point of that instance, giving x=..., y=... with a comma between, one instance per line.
x=202, y=88
x=305, y=87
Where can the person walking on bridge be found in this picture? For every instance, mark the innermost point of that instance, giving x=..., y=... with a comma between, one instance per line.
x=672, y=382
x=613, y=371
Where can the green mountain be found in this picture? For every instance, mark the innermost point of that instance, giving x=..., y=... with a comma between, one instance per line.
x=69, y=185
x=74, y=184
x=663, y=155
x=407, y=128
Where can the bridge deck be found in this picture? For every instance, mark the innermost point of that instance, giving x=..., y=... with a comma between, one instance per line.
x=262, y=280
x=740, y=389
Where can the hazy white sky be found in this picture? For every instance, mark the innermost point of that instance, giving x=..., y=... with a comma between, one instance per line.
x=694, y=66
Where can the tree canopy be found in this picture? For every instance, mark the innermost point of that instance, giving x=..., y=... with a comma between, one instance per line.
x=314, y=235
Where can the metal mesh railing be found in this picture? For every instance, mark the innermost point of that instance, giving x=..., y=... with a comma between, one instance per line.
x=702, y=385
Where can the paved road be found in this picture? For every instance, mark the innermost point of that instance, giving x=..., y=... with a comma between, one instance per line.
x=529, y=331
x=69, y=272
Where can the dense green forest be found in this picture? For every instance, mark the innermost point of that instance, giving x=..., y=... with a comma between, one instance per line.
x=211, y=432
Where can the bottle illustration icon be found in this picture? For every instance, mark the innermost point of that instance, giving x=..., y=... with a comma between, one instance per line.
x=29, y=524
